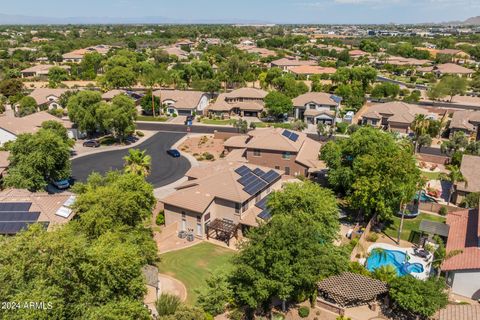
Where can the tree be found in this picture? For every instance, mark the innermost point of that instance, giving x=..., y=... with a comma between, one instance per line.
x=353, y=96
x=146, y=103
x=386, y=273
x=321, y=128
x=91, y=64
x=281, y=259
x=458, y=142
x=418, y=298
x=35, y=159
x=278, y=104
x=119, y=77
x=310, y=199
x=119, y=116
x=454, y=176
x=217, y=295
x=449, y=85
x=299, y=125
x=114, y=200
x=56, y=75
x=83, y=110
x=241, y=125
x=137, y=162
x=59, y=130
x=27, y=105
x=11, y=87
x=471, y=200
x=372, y=170
x=422, y=141
x=385, y=90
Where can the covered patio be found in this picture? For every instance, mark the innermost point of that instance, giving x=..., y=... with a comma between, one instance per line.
x=222, y=230
x=351, y=289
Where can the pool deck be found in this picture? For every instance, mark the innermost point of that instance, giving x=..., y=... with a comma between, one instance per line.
x=413, y=258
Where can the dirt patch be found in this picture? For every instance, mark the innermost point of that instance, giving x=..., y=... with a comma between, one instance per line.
x=203, y=148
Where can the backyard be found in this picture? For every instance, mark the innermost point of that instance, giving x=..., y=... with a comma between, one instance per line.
x=409, y=225
x=194, y=265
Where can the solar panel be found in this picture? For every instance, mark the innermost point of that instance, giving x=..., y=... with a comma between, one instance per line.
x=15, y=206
x=270, y=176
x=265, y=215
x=258, y=171
x=15, y=227
x=255, y=186
x=262, y=204
x=286, y=133
x=243, y=170
x=294, y=137
x=247, y=179
x=18, y=216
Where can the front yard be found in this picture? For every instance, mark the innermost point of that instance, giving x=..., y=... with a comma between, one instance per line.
x=218, y=121
x=194, y=265
x=409, y=225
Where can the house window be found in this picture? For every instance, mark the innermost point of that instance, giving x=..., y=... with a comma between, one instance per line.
x=171, y=110
x=245, y=206
x=374, y=122
x=287, y=171
x=256, y=152
x=207, y=216
x=277, y=167
x=199, y=218
x=286, y=155
x=237, y=207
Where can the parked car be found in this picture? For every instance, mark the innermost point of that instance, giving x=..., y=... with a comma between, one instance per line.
x=91, y=143
x=174, y=153
x=61, y=184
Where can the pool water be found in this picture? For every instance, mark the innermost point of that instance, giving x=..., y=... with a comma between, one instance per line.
x=424, y=197
x=394, y=258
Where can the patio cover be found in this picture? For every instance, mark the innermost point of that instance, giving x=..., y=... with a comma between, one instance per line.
x=433, y=227
x=351, y=289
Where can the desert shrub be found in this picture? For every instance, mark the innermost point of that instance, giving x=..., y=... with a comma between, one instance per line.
x=167, y=304
x=303, y=312
x=208, y=156
x=140, y=133
x=443, y=211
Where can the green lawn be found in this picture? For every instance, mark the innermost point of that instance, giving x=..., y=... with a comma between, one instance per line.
x=273, y=124
x=194, y=265
x=431, y=175
x=150, y=118
x=218, y=121
x=409, y=225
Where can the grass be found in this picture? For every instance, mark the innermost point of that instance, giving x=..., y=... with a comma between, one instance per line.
x=431, y=175
x=409, y=225
x=273, y=124
x=218, y=121
x=151, y=118
x=194, y=265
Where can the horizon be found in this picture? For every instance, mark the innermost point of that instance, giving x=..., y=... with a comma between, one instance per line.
x=221, y=12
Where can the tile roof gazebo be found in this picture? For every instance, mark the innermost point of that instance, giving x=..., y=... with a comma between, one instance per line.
x=351, y=289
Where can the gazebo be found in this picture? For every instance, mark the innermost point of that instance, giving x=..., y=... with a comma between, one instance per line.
x=224, y=230
x=351, y=289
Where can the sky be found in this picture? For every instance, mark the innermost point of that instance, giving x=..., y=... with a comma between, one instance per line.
x=274, y=11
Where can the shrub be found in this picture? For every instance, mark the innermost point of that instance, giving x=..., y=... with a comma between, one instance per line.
x=167, y=304
x=140, y=133
x=160, y=218
x=372, y=237
x=208, y=156
x=174, y=115
x=253, y=125
x=303, y=312
x=342, y=127
x=443, y=211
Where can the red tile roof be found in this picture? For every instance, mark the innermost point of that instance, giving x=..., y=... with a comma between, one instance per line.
x=463, y=235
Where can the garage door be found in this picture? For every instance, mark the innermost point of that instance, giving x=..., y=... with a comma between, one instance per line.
x=184, y=112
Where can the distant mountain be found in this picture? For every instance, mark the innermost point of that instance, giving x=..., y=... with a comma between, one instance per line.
x=472, y=21
x=6, y=19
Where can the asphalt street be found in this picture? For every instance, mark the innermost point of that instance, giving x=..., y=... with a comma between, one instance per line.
x=165, y=169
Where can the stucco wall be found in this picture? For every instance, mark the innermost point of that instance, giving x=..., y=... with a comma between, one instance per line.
x=273, y=159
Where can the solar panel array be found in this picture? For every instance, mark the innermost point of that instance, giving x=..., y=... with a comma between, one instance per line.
x=15, y=217
x=243, y=170
x=255, y=180
x=265, y=215
x=258, y=171
x=255, y=186
x=270, y=176
x=290, y=135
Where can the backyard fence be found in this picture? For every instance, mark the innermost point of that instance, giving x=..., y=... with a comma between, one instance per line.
x=435, y=207
x=361, y=246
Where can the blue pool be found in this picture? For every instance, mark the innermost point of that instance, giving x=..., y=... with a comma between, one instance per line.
x=424, y=197
x=394, y=258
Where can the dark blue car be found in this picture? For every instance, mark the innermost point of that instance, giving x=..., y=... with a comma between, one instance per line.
x=174, y=153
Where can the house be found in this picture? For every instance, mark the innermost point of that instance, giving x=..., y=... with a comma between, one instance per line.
x=317, y=107
x=292, y=152
x=4, y=162
x=183, y=102
x=457, y=55
x=109, y=95
x=470, y=169
x=459, y=312
x=11, y=126
x=467, y=121
x=311, y=70
x=447, y=68
x=177, y=52
x=262, y=52
x=20, y=208
x=395, y=116
x=76, y=56
x=285, y=63
x=40, y=70
x=401, y=61
x=243, y=102
x=463, y=269
x=229, y=195
x=48, y=98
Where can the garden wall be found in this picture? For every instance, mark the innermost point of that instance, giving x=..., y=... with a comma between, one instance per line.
x=362, y=244
x=435, y=207
x=432, y=158
x=330, y=307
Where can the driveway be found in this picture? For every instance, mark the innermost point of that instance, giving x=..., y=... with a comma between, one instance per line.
x=165, y=169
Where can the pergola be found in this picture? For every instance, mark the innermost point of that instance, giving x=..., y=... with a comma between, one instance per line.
x=351, y=289
x=224, y=230
x=433, y=227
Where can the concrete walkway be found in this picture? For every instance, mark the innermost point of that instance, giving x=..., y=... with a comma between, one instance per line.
x=170, y=285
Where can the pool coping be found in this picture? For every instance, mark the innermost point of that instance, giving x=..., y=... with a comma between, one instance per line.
x=413, y=258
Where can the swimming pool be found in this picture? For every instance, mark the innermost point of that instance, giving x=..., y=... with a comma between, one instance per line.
x=424, y=197
x=394, y=258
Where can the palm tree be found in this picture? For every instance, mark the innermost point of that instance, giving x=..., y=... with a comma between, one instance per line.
x=385, y=273
x=454, y=176
x=137, y=162
x=420, y=126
